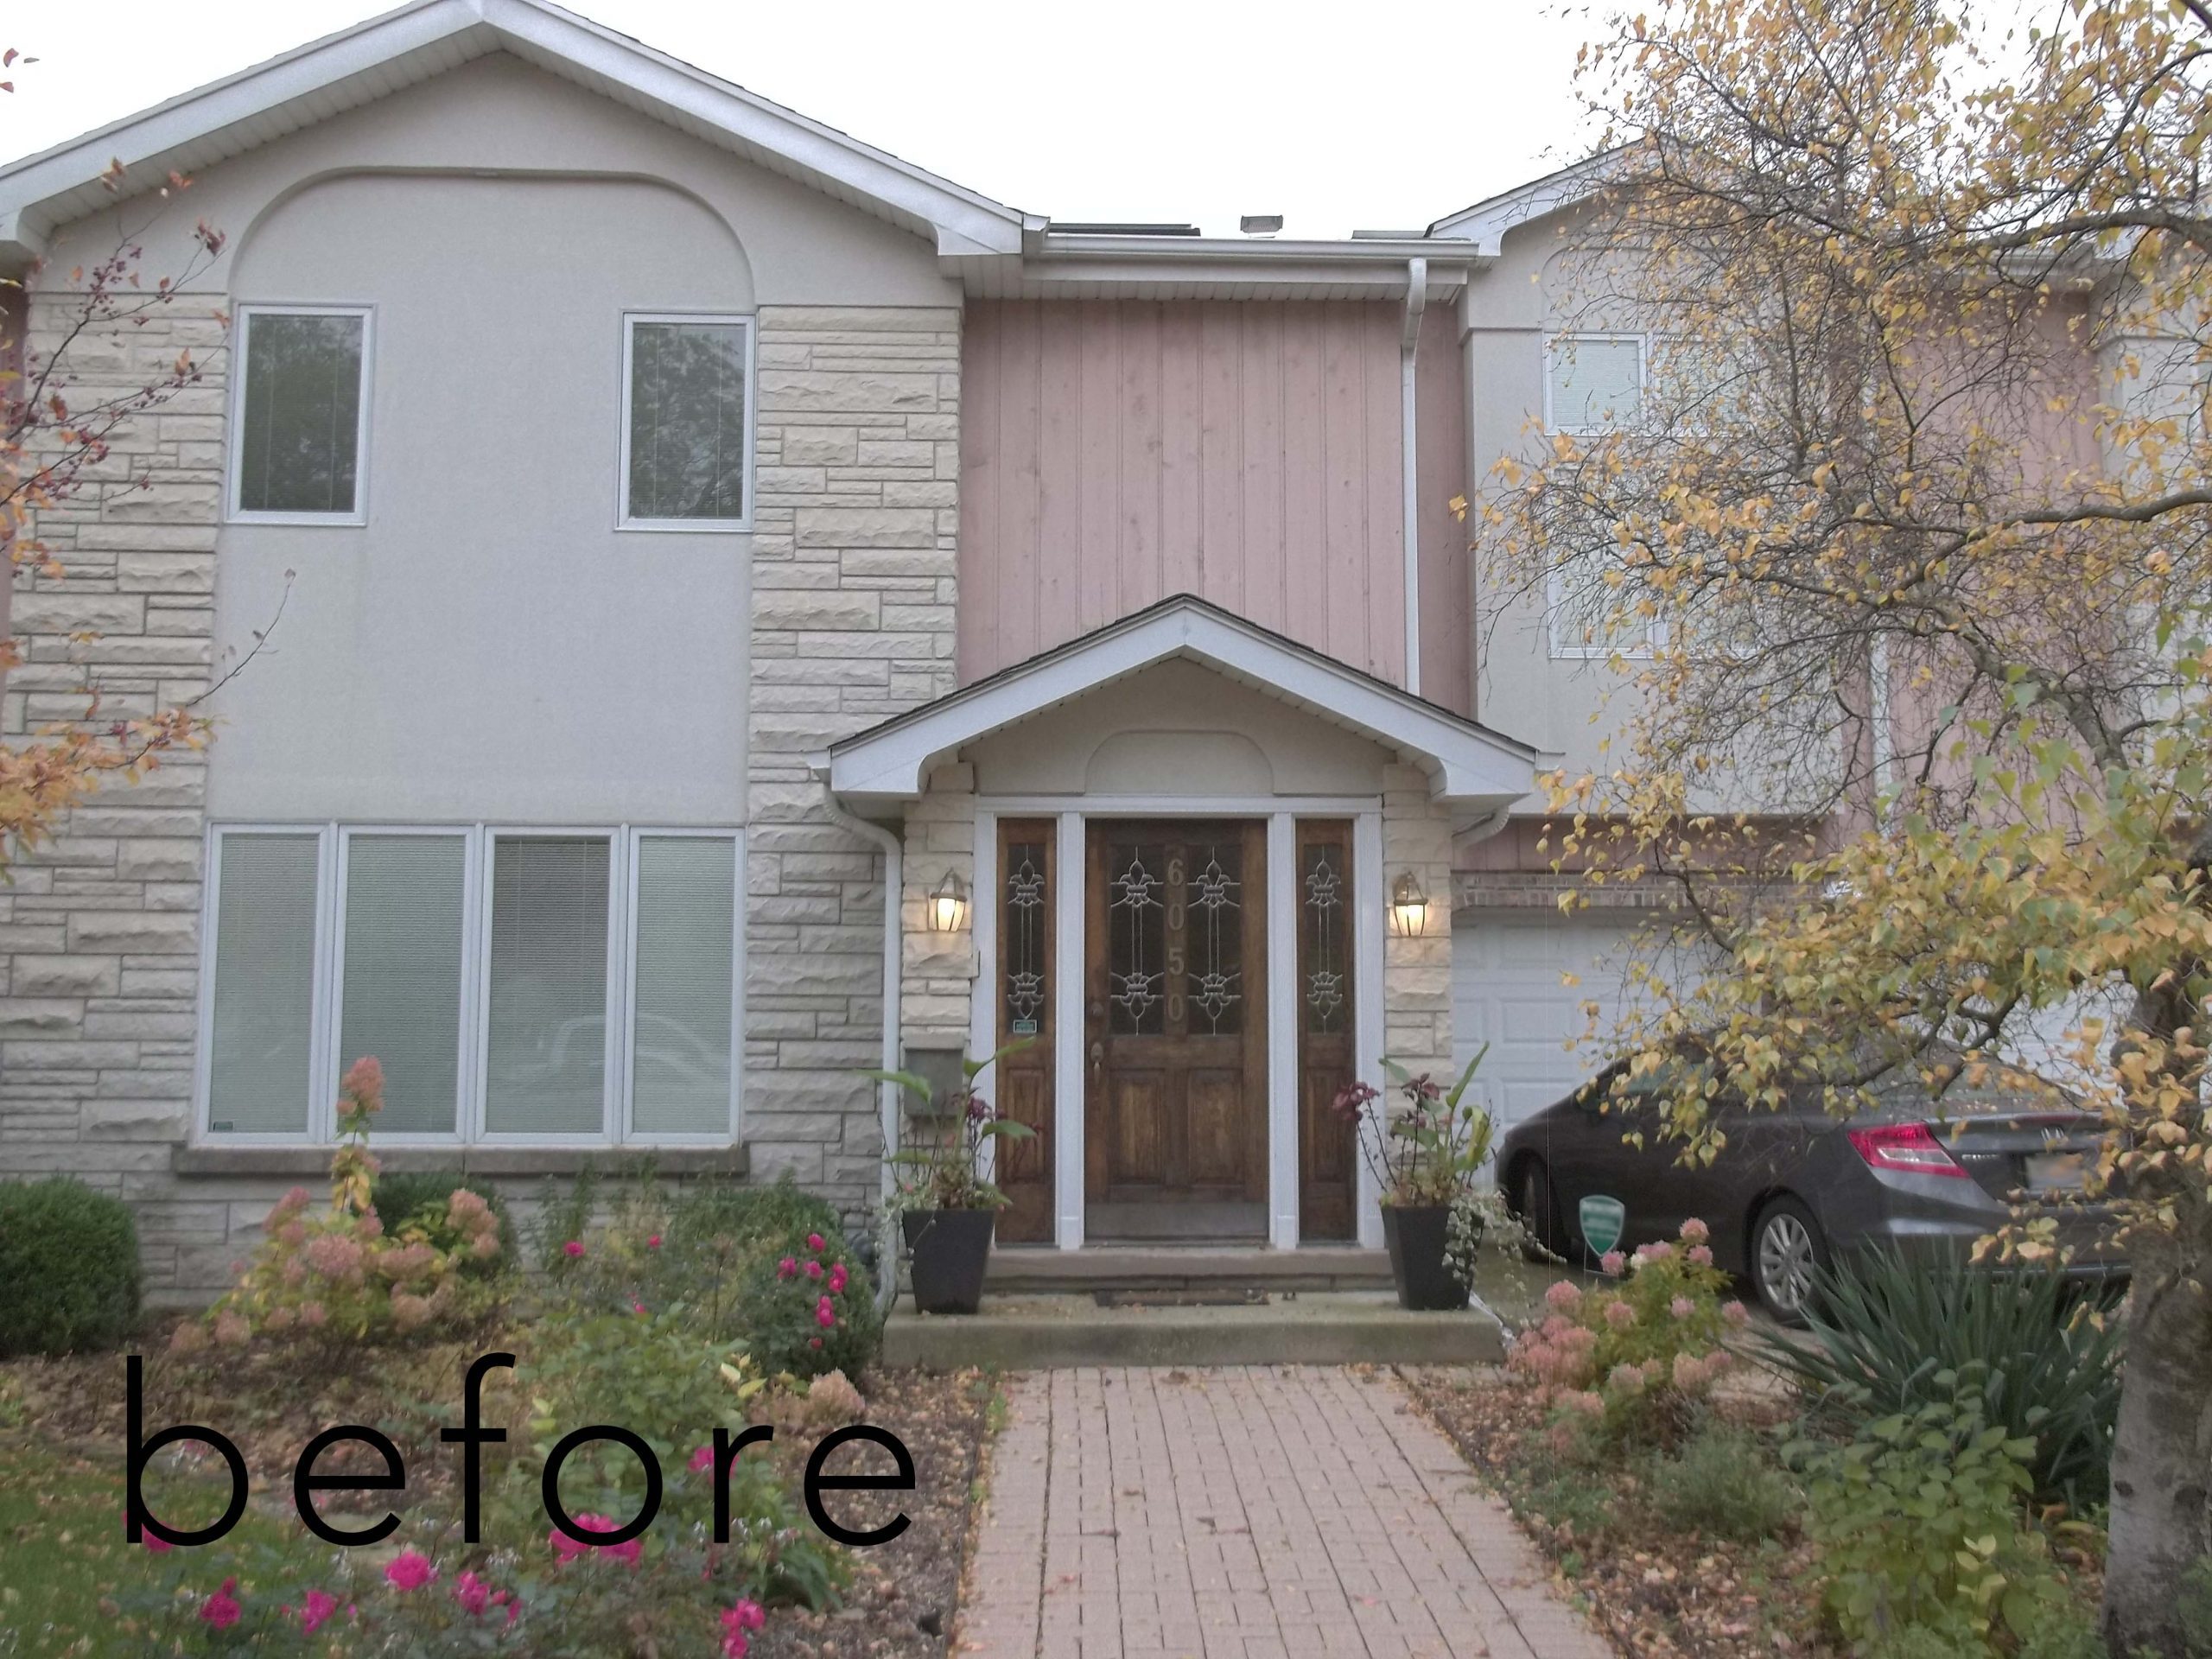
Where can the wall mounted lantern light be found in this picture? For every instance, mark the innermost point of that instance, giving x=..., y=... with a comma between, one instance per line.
x=948, y=905
x=1408, y=907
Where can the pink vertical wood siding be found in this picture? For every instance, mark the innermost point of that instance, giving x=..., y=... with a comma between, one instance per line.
x=1115, y=452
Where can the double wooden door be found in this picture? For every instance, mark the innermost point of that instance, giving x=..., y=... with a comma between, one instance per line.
x=1175, y=1030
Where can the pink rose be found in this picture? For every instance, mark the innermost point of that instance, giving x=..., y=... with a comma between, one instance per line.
x=1613, y=1262
x=813, y=1269
x=319, y=1605
x=814, y=1242
x=748, y=1615
x=472, y=1593
x=814, y=1342
x=838, y=1279
x=159, y=1546
x=702, y=1460
x=786, y=1267
x=573, y=1248
x=221, y=1610
x=408, y=1570
x=638, y=1308
x=825, y=1314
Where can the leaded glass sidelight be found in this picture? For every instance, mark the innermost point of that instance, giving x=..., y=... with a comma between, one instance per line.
x=1324, y=970
x=1025, y=970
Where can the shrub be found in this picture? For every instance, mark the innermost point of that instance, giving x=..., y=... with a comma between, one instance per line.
x=1628, y=1358
x=811, y=1309
x=69, y=1268
x=421, y=1200
x=1919, y=1526
x=1885, y=1329
x=2196, y=1608
x=344, y=1273
x=1723, y=1483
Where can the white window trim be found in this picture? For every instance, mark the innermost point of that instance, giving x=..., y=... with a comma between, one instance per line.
x=234, y=480
x=326, y=1004
x=1561, y=648
x=623, y=520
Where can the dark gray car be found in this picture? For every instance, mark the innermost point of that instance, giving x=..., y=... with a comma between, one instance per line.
x=1792, y=1188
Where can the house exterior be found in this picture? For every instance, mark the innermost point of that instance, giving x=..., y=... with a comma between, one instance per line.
x=695, y=607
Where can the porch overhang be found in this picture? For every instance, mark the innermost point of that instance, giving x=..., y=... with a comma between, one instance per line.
x=1473, y=771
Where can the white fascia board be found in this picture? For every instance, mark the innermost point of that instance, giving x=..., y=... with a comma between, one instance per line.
x=1485, y=223
x=1467, y=766
x=963, y=218
x=1370, y=264
x=34, y=191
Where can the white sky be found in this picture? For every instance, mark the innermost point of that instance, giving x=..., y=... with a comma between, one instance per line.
x=1371, y=117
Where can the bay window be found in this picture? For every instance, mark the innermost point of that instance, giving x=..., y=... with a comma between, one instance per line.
x=516, y=985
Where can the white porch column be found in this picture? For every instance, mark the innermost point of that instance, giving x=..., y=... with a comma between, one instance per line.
x=1282, y=1032
x=1071, y=1064
x=1368, y=1028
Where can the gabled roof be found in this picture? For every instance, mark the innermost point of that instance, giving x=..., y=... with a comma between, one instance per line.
x=1486, y=223
x=1470, y=767
x=429, y=37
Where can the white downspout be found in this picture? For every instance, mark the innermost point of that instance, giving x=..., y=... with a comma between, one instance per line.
x=894, y=879
x=1469, y=408
x=1408, y=349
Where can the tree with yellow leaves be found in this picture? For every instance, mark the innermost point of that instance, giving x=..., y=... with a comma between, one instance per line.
x=1902, y=568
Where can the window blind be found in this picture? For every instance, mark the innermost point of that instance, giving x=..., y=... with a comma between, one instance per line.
x=402, y=992
x=261, y=1056
x=1595, y=382
x=545, y=1064
x=680, y=1069
x=687, y=420
x=299, y=431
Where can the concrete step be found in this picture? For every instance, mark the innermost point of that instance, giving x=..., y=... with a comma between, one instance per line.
x=1035, y=1332
x=1037, y=1269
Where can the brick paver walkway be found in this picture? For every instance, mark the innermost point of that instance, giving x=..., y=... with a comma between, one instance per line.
x=1262, y=1513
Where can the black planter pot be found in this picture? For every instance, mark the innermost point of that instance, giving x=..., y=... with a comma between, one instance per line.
x=1415, y=1234
x=949, y=1248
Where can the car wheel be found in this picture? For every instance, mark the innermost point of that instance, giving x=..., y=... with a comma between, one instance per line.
x=1788, y=1255
x=1532, y=1201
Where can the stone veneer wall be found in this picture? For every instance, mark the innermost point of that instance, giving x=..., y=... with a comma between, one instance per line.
x=99, y=927
x=938, y=977
x=1417, y=971
x=853, y=594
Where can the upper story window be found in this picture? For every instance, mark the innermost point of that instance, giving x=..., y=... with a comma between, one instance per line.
x=1592, y=383
x=299, y=415
x=533, y=986
x=687, y=422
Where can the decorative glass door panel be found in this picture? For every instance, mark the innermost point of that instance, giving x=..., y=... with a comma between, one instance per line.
x=1023, y=1080
x=1176, y=1121
x=1327, y=1163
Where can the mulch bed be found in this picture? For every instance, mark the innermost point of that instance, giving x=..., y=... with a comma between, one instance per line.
x=1658, y=1594
x=900, y=1603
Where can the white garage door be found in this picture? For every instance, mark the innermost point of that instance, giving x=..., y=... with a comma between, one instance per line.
x=1506, y=969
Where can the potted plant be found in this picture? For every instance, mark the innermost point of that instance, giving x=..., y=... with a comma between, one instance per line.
x=946, y=1209
x=1424, y=1154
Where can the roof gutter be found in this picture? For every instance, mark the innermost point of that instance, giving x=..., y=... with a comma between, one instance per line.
x=1408, y=417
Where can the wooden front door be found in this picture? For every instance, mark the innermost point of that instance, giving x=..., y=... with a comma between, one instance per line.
x=1175, y=1030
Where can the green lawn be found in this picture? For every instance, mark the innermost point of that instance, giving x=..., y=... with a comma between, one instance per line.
x=62, y=1543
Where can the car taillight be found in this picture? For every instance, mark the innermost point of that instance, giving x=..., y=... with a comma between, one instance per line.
x=1909, y=1148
